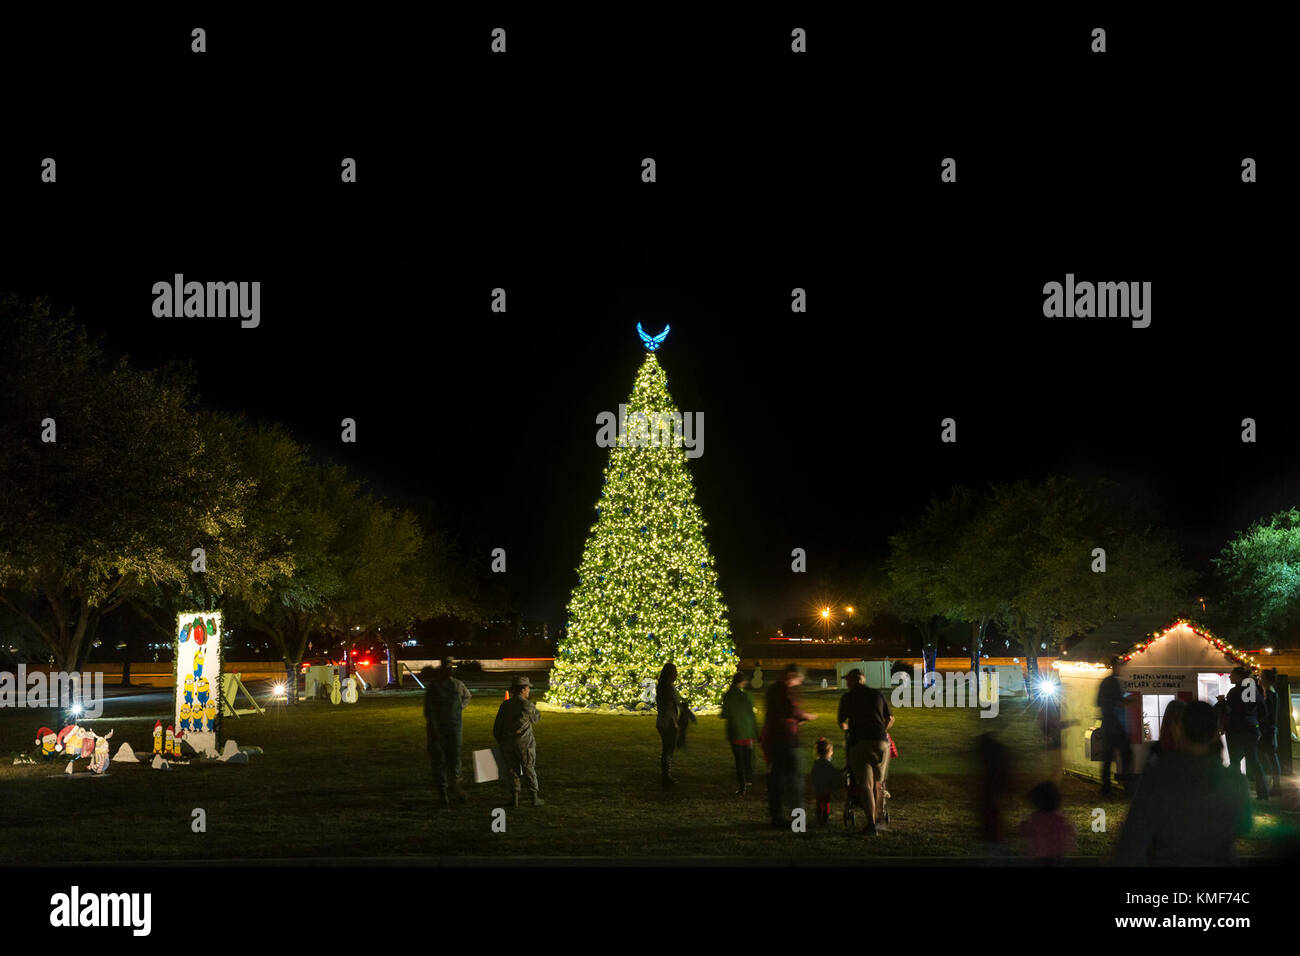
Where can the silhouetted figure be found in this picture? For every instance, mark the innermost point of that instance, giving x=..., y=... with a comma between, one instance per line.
x=1049, y=834
x=781, y=745
x=1171, y=732
x=1268, y=706
x=825, y=779
x=669, y=705
x=1188, y=809
x=994, y=784
x=864, y=712
x=1242, y=729
x=445, y=699
x=1114, y=732
x=684, y=719
x=513, y=731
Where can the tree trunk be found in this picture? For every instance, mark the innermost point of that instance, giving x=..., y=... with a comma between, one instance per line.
x=394, y=666
x=291, y=681
x=976, y=635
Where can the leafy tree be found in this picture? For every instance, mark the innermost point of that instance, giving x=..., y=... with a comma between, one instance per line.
x=302, y=505
x=936, y=570
x=392, y=573
x=1042, y=539
x=246, y=544
x=116, y=502
x=1260, y=569
x=1020, y=557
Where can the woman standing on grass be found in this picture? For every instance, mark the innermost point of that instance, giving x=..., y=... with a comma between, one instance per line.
x=669, y=704
x=742, y=730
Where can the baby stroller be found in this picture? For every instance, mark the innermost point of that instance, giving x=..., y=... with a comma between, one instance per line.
x=853, y=798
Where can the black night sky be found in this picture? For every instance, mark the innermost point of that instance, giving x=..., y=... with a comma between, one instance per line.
x=822, y=430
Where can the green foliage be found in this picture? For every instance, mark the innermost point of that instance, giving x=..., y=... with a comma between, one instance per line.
x=1021, y=556
x=113, y=507
x=1260, y=569
x=112, y=511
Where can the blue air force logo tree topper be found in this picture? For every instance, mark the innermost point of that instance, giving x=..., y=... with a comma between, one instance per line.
x=652, y=342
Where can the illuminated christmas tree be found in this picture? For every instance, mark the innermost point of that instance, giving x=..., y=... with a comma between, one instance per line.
x=647, y=590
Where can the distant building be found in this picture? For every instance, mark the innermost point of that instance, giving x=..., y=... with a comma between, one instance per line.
x=501, y=631
x=534, y=632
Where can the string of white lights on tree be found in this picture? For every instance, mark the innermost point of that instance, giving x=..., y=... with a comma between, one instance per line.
x=647, y=589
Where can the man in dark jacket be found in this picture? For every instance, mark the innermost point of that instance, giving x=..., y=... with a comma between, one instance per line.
x=445, y=698
x=1242, y=728
x=865, y=714
x=1188, y=809
x=781, y=742
x=1268, y=712
x=513, y=730
x=1114, y=732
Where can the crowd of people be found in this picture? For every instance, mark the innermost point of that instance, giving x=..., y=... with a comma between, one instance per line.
x=864, y=716
x=1189, y=807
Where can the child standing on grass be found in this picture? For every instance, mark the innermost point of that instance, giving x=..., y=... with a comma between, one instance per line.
x=742, y=728
x=1050, y=835
x=825, y=778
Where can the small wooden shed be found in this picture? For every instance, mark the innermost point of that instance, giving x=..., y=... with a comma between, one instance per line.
x=1157, y=661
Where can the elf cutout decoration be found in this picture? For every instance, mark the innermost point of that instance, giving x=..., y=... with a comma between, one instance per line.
x=157, y=738
x=99, y=760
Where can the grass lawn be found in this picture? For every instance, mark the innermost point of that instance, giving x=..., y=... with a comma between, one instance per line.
x=354, y=781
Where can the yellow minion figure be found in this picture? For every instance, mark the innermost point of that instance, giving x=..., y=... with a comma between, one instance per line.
x=72, y=741
x=201, y=691
x=157, y=738
x=176, y=743
x=210, y=713
x=186, y=717
x=170, y=743
x=198, y=662
x=189, y=688
x=48, y=740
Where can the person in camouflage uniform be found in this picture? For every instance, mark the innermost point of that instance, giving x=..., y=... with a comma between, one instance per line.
x=444, y=699
x=513, y=731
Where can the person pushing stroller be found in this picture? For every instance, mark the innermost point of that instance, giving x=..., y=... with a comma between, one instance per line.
x=865, y=716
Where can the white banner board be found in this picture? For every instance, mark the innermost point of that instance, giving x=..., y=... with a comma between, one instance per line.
x=198, y=679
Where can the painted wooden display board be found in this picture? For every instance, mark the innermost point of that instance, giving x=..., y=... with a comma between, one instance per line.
x=198, y=679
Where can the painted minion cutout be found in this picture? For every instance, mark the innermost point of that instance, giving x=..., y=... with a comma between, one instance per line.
x=48, y=740
x=186, y=717
x=170, y=743
x=189, y=688
x=69, y=741
x=201, y=690
x=157, y=737
x=176, y=743
x=210, y=714
x=198, y=663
